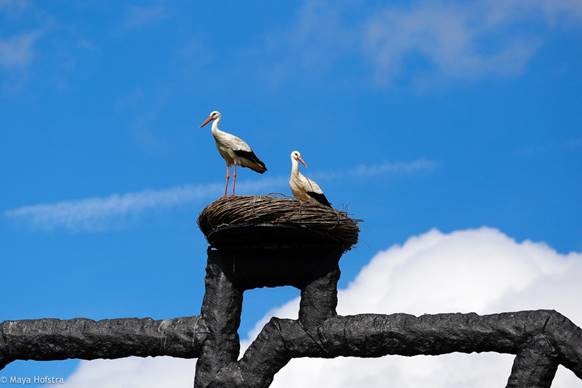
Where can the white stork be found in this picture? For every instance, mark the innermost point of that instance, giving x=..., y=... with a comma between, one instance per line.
x=234, y=150
x=303, y=188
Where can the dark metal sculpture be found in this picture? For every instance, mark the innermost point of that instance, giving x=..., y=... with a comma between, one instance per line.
x=255, y=251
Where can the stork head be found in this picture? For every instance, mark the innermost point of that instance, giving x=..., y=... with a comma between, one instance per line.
x=214, y=115
x=296, y=155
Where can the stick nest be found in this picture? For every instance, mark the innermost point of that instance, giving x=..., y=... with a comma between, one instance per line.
x=290, y=216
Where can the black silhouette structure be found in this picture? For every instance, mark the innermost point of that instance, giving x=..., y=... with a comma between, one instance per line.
x=269, y=242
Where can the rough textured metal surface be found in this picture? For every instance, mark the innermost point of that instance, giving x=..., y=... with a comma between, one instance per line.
x=374, y=335
x=319, y=299
x=55, y=339
x=221, y=310
x=535, y=364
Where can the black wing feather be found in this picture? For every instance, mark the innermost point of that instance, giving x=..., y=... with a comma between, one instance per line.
x=250, y=155
x=319, y=198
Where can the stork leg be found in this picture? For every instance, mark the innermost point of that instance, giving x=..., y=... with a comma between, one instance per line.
x=227, y=178
x=234, y=179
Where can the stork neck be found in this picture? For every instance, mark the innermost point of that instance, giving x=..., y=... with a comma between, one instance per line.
x=294, y=167
x=215, y=128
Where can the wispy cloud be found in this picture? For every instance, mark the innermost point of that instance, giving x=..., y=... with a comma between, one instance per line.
x=12, y=6
x=450, y=39
x=572, y=144
x=17, y=51
x=23, y=25
x=98, y=213
x=371, y=170
x=101, y=213
x=453, y=39
x=140, y=16
x=28, y=33
x=462, y=39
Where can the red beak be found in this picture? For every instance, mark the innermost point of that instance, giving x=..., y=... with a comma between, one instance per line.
x=302, y=161
x=209, y=119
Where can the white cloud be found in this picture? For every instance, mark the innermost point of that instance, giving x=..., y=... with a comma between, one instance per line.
x=480, y=270
x=99, y=213
x=17, y=52
x=133, y=372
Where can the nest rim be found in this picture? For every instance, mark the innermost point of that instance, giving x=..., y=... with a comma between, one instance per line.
x=265, y=219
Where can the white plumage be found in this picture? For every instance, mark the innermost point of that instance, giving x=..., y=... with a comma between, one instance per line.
x=303, y=188
x=234, y=150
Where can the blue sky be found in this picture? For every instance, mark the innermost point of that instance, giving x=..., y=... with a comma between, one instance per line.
x=412, y=116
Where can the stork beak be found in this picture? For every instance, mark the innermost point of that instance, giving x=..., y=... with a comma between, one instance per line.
x=302, y=161
x=209, y=119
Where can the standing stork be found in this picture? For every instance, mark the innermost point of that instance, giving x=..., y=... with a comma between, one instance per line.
x=234, y=150
x=303, y=188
